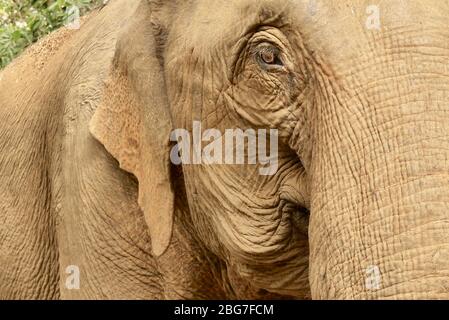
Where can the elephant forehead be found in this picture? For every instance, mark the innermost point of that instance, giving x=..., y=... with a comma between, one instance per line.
x=340, y=32
x=210, y=23
x=344, y=30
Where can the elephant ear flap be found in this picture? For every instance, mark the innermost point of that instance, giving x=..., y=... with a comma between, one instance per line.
x=134, y=124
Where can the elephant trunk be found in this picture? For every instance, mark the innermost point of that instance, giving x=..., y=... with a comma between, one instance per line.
x=379, y=223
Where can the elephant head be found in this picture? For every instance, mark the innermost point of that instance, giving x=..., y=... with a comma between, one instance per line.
x=361, y=186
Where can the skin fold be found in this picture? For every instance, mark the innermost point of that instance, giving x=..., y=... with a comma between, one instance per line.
x=363, y=166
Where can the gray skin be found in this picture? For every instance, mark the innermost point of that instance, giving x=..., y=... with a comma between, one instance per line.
x=363, y=121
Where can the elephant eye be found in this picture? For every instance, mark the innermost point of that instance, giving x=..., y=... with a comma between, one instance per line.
x=268, y=56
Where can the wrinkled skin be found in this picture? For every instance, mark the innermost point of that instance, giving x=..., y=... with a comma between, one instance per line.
x=363, y=120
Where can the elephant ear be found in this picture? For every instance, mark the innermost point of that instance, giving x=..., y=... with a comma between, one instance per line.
x=134, y=124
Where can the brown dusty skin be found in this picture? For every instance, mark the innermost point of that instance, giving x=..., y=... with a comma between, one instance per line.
x=363, y=122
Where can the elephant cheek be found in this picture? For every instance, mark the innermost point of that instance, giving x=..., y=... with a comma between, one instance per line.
x=278, y=281
x=281, y=271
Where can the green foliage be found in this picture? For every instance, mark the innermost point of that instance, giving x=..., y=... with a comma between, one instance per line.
x=23, y=22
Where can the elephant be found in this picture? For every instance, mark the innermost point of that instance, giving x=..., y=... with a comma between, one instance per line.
x=358, y=95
